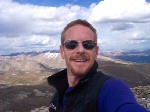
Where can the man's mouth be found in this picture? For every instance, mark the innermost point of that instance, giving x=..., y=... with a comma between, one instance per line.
x=80, y=60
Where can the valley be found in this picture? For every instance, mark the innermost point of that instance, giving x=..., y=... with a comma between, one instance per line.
x=24, y=87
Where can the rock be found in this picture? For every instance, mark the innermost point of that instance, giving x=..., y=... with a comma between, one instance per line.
x=38, y=93
x=142, y=94
x=41, y=109
x=148, y=105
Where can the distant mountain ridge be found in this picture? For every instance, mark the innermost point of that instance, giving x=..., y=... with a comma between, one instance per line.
x=32, y=53
x=133, y=73
x=137, y=56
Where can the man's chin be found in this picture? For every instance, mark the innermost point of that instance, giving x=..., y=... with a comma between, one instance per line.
x=79, y=72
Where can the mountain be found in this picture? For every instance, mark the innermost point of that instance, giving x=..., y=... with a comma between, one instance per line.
x=137, y=56
x=23, y=78
x=32, y=53
x=132, y=73
x=22, y=65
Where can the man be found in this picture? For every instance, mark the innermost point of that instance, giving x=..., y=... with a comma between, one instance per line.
x=80, y=88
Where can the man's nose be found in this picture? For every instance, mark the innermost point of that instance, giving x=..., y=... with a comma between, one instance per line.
x=80, y=47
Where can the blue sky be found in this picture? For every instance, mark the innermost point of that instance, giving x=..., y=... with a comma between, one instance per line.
x=35, y=25
x=57, y=3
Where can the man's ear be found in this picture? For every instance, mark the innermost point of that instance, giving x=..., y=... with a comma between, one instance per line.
x=62, y=51
x=96, y=51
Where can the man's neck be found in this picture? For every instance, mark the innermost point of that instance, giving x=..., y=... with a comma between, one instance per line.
x=73, y=80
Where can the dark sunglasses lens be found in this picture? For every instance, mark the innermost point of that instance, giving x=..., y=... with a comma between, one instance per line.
x=72, y=44
x=89, y=44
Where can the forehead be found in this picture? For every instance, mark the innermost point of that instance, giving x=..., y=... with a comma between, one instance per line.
x=79, y=32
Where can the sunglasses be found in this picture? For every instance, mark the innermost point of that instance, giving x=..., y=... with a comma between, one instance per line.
x=87, y=44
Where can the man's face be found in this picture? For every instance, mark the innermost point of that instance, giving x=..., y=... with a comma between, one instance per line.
x=79, y=60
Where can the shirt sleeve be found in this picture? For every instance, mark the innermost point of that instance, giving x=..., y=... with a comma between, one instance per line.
x=116, y=96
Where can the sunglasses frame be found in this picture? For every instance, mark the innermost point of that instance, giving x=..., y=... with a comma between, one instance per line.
x=95, y=43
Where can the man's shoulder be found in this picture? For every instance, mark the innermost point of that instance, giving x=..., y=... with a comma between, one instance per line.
x=110, y=81
x=115, y=86
x=116, y=90
x=117, y=83
x=101, y=77
x=98, y=79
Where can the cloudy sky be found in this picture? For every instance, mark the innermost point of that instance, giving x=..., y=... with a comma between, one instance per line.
x=35, y=25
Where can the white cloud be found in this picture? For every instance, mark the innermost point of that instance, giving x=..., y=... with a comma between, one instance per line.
x=121, y=10
x=16, y=18
x=125, y=24
x=25, y=25
x=120, y=23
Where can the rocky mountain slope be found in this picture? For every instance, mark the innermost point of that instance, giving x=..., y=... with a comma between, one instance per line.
x=133, y=73
x=23, y=79
x=22, y=65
